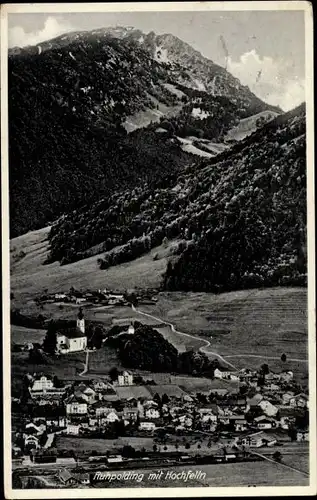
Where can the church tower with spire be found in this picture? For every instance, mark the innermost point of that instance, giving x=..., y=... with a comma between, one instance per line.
x=81, y=321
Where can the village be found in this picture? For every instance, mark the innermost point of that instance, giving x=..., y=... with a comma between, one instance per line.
x=123, y=418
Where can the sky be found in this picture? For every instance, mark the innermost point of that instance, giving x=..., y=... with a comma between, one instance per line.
x=264, y=49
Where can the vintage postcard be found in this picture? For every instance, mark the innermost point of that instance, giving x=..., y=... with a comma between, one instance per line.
x=158, y=249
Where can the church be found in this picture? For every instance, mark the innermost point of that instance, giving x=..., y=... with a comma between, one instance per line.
x=72, y=339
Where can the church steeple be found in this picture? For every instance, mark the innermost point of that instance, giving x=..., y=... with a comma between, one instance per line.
x=81, y=320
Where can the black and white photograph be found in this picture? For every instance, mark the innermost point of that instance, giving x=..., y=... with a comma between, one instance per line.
x=158, y=249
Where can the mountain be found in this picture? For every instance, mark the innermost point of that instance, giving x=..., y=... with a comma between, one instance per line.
x=238, y=220
x=93, y=112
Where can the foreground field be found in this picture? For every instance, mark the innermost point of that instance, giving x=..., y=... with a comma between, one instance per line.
x=220, y=475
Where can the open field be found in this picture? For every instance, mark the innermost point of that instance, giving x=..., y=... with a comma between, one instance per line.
x=244, y=324
x=221, y=475
x=20, y=334
x=202, y=384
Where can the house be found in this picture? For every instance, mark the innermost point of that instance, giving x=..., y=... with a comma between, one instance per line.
x=131, y=330
x=241, y=425
x=99, y=385
x=299, y=401
x=147, y=425
x=286, y=376
x=268, y=408
x=186, y=420
x=272, y=387
x=263, y=422
x=286, y=417
x=258, y=439
x=73, y=429
x=114, y=459
x=82, y=477
x=302, y=436
x=86, y=393
x=102, y=408
x=130, y=414
x=125, y=378
x=287, y=396
x=80, y=300
x=31, y=441
x=220, y=373
x=56, y=421
x=207, y=414
x=72, y=339
x=41, y=383
x=152, y=413
x=28, y=346
x=66, y=477
x=60, y=296
x=254, y=401
x=76, y=406
x=110, y=418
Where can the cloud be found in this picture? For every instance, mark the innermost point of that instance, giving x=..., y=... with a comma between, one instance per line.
x=18, y=37
x=271, y=80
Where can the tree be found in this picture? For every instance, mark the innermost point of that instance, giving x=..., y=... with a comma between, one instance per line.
x=50, y=340
x=283, y=358
x=113, y=373
x=265, y=369
x=128, y=451
x=157, y=399
x=165, y=399
x=277, y=456
x=57, y=382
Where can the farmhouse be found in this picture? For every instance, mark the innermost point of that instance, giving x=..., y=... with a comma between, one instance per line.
x=66, y=477
x=31, y=441
x=258, y=439
x=72, y=339
x=302, y=436
x=73, y=429
x=41, y=383
x=299, y=401
x=76, y=406
x=146, y=425
x=125, y=378
x=263, y=422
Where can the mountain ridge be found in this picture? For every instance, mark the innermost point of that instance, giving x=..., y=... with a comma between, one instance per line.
x=69, y=105
x=239, y=218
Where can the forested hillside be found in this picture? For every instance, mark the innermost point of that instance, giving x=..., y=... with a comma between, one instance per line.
x=72, y=101
x=240, y=217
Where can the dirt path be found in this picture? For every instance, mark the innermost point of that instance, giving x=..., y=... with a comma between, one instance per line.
x=203, y=349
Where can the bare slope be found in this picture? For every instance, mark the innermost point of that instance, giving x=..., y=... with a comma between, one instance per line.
x=29, y=277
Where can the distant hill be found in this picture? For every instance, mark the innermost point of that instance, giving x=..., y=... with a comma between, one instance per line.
x=79, y=105
x=240, y=217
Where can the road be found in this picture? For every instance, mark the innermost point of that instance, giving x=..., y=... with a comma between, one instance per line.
x=202, y=349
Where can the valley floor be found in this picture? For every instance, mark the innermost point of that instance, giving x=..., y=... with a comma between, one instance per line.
x=246, y=328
